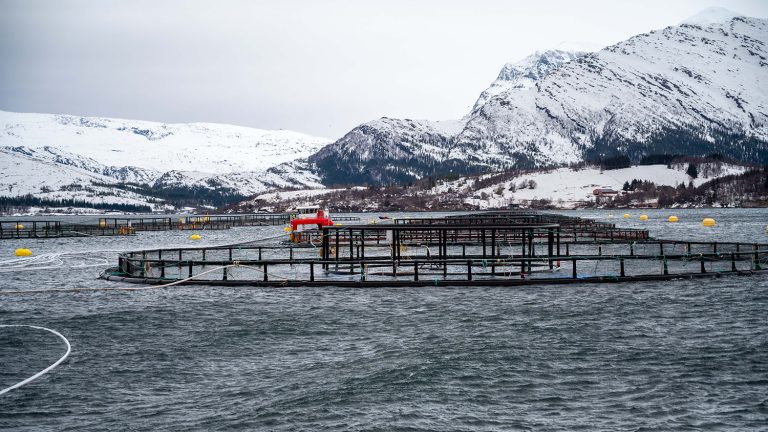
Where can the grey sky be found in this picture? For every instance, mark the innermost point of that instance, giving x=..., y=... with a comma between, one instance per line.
x=319, y=67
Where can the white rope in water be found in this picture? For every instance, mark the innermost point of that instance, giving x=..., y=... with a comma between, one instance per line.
x=50, y=261
x=49, y=257
x=148, y=287
x=55, y=260
x=44, y=371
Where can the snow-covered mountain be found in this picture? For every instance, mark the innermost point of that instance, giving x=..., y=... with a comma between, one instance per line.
x=397, y=150
x=692, y=89
x=685, y=89
x=60, y=156
x=525, y=73
x=204, y=147
x=387, y=150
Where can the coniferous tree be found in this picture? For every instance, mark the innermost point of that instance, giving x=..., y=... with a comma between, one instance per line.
x=692, y=171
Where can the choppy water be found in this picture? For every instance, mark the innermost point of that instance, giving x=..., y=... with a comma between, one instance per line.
x=646, y=356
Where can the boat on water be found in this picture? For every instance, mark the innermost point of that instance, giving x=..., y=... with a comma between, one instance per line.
x=305, y=218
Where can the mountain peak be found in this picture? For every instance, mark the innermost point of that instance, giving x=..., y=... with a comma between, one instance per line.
x=579, y=46
x=525, y=73
x=535, y=63
x=712, y=15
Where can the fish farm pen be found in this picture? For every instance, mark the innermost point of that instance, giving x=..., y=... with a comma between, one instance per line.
x=498, y=248
x=41, y=229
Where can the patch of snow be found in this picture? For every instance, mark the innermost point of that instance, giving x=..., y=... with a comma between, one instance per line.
x=568, y=187
x=300, y=194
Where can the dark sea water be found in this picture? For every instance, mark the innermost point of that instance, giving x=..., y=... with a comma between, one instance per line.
x=674, y=355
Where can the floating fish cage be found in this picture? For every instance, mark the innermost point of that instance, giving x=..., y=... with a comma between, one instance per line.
x=483, y=249
x=113, y=226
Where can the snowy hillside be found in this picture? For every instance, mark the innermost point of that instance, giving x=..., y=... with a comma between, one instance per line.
x=53, y=174
x=203, y=147
x=22, y=174
x=302, y=196
x=568, y=187
x=697, y=88
x=67, y=157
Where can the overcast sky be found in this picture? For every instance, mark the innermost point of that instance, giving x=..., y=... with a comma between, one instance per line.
x=319, y=67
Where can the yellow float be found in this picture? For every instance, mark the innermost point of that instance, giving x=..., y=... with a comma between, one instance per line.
x=23, y=252
x=673, y=219
x=644, y=217
x=627, y=216
x=708, y=222
x=195, y=237
x=19, y=226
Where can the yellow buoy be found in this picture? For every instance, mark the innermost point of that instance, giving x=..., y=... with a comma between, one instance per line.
x=195, y=237
x=644, y=217
x=673, y=219
x=287, y=229
x=627, y=216
x=708, y=222
x=23, y=252
x=19, y=226
x=338, y=224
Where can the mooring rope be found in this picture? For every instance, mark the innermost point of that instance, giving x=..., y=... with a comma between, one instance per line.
x=44, y=371
x=54, y=260
x=48, y=261
x=148, y=287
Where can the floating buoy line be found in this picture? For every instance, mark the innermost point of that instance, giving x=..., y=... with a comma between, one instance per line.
x=46, y=370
